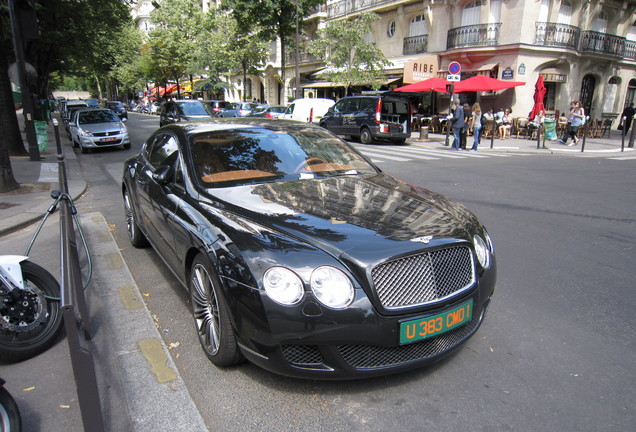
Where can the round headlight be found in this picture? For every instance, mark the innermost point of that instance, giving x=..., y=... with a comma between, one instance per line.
x=482, y=251
x=332, y=287
x=283, y=286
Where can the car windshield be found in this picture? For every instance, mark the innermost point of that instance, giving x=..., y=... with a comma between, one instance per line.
x=194, y=108
x=115, y=105
x=101, y=116
x=255, y=155
x=259, y=110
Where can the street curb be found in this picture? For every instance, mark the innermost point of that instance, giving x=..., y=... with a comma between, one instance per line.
x=156, y=395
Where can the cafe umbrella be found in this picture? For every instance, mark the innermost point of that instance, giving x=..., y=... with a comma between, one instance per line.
x=485, y=84
x=539, y=94
x=431, y=84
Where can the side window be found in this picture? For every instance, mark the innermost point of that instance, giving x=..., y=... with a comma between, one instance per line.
x=163, y=148
x=367, y=105
x=290, y=109
x=353, y=105
x=339, y=107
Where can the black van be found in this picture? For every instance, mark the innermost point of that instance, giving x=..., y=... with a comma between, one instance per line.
x=370, y=118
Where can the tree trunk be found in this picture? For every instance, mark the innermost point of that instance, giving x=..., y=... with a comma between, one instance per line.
x=10, y=138
x=8, y=124
x=283, y=100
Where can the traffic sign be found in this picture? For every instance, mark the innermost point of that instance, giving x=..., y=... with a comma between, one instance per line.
x=454, y=68
x=453, y=77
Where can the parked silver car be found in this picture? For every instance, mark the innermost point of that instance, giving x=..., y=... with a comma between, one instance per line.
x=96, y=128
x=238, y=109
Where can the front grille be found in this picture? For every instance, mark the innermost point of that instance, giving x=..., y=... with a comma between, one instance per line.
x=424, y=278
x=302, y=355
x=370, y=357
x=105, y=134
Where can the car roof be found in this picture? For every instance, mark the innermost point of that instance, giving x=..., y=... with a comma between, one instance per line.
x=219, y=124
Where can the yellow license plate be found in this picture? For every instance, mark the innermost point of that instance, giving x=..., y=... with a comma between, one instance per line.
x=423, y=328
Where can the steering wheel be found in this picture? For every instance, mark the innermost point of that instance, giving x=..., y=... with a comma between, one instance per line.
x=309, y=161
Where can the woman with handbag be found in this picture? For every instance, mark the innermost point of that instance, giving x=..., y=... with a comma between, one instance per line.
x=575, y=121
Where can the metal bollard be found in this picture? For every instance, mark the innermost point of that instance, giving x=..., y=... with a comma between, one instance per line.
x=423, y=132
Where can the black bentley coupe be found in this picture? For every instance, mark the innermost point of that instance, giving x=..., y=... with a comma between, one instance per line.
x=301, y=255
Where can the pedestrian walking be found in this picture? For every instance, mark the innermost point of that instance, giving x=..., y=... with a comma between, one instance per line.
x=457, y=121
x=628, y=115
x=464, y=135
x=576, y=119
x=475, y=125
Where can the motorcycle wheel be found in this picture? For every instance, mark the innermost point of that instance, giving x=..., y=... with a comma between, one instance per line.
x=10, y=420
x=30, y=324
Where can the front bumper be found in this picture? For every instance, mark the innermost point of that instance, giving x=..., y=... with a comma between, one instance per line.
x=105, y=141
x=317, y=343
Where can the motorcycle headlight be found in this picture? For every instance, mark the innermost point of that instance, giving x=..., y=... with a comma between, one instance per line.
x=332, y=287
x=283, y=286
x=483, y=251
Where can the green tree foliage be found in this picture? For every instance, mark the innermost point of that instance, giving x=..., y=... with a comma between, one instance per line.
x=273, y=19
x=343, y=47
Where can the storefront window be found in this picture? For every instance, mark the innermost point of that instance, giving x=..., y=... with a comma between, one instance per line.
x=549, y=100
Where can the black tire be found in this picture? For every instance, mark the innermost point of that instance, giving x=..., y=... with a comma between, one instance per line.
x=211, y=316
x=126, y=146
x=10, y=419
x=365, y=136
x=83, y=149
x=137, y=238
x=27, y=335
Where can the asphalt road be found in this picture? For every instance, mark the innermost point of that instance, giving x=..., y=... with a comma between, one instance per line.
x=555, y=353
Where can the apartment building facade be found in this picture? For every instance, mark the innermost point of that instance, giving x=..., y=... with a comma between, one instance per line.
x=584, y=50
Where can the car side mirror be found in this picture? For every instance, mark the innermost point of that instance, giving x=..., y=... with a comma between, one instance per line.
x=163, y=174
x=125, y=119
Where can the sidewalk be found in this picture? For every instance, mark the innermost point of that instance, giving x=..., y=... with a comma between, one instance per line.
x=140, y=388
x=611, y=144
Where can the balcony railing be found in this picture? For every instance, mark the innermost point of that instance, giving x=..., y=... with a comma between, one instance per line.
x=344, y=7
x=557, y=35
x=602, y=43
x=630, y=50
x=415, y=44
x=473, y=35
x=304, y=57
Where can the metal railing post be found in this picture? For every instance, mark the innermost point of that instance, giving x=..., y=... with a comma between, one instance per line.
x=74, y=308
x=585, y=130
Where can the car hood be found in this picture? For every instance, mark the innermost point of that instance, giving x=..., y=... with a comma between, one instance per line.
x=101, y=127
x=361, y=218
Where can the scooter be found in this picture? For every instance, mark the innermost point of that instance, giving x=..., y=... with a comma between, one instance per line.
x=10, y=419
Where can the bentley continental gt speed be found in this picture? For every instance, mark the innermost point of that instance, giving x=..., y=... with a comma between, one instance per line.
x=301, y=255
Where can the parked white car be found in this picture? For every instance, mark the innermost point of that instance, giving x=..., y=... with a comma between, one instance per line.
x=92, y=128
x=308, y=109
